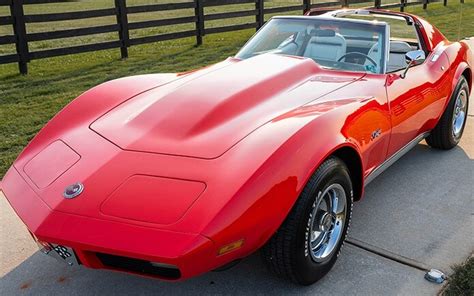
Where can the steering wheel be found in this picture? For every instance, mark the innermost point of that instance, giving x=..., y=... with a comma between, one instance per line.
x=360, y=54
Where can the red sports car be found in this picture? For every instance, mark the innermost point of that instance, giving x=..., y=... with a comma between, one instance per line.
x=174, y=175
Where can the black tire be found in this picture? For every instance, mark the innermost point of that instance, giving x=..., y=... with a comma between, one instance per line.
x=287, y=252
x=443, y=136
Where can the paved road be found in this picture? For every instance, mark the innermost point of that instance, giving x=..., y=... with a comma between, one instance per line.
x=421, y=208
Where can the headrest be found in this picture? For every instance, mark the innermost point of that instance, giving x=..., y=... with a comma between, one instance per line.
x=400, y=47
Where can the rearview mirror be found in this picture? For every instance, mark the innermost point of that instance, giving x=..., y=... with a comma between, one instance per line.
x=413, y=58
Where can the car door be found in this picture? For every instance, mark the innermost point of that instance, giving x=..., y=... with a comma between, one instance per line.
x=416, y=101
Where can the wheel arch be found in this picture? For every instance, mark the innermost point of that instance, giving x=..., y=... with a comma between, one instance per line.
x=467, y=73
x=462, y=70
x=353, y=161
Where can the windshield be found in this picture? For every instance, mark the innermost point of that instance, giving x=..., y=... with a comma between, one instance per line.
x=332, y=43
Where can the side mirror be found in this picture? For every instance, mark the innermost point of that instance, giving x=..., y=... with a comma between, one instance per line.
x=413, y=58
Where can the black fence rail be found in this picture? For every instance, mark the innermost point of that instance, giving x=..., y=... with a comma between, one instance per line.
x=21, y=38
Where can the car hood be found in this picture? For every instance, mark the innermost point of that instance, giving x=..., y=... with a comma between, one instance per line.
x=206, y=114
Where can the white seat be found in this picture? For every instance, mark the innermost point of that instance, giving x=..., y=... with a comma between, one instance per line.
x=326, y=48
x=396, y=59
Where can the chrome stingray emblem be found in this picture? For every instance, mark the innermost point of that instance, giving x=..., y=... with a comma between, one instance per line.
x=73, y=190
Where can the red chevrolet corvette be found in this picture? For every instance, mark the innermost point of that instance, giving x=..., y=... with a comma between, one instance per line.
x=174, y=175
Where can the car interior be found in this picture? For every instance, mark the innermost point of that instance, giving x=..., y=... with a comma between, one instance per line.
x=403, y=38
x=337, y=46
x=326, y=47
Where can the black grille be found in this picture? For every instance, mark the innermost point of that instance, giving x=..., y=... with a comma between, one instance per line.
x=138, y=266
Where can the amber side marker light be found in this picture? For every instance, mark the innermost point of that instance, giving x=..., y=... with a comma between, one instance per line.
x=231, y=247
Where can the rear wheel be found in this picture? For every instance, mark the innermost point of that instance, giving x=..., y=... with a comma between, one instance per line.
x=449, y=130
x=308, y=243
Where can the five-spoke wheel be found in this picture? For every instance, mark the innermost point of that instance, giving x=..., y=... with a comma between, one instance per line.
x=327, y=222
x=460, y=113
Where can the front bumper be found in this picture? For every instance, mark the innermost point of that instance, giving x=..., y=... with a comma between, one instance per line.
x=109, y=244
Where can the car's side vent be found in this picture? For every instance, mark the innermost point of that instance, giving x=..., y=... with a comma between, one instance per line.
x=139, y=266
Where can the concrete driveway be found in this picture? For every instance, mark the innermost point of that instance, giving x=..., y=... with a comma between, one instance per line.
x=418, y=214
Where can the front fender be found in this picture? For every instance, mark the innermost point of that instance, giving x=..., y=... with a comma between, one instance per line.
x=266, y=198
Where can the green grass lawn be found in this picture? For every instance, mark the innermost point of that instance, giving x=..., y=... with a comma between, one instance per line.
x=28, y=102
x=461, y=283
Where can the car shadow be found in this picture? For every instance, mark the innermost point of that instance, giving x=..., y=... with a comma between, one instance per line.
x=422, y=206
x=356, y=272
x=41, y=275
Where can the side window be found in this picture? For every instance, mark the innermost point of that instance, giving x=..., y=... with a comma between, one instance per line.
x=403, y=38
x=401, y=31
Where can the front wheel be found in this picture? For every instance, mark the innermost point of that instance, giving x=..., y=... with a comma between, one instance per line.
x=449, y=130
x=308, y=242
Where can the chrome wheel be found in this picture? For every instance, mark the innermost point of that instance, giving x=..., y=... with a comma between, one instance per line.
x=327, y=222
x=459, y=113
